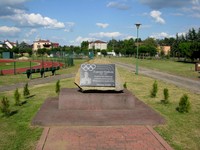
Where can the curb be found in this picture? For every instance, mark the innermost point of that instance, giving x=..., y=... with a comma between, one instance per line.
x=43, y=138
x=159, y=138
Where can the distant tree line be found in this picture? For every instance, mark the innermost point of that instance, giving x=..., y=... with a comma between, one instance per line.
x=185, y=46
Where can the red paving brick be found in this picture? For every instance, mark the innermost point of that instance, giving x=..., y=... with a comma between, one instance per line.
x=101, y=138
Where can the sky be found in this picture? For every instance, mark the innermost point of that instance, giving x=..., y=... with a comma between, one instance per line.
x=69, y=22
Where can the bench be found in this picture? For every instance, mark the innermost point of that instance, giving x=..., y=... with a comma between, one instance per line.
x=41, y=71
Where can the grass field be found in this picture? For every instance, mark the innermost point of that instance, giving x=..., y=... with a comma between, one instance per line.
x=10, y=65
x=182, y=131
x=169, y=66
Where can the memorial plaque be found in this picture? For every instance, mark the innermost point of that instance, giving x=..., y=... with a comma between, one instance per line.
x=97, y=75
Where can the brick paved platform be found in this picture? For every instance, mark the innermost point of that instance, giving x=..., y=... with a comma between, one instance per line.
x=141, y=114
x=101, y=138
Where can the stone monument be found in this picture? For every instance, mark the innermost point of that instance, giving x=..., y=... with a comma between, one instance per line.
x=98, y=76
x=100, y=87
x=99, y=100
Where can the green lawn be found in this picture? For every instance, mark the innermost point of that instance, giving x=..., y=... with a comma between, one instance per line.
x=169, y=66
x=10, y=65
x=182, y=131
x=16, y=132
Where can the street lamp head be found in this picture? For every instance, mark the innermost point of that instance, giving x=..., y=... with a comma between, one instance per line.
x=137, y=25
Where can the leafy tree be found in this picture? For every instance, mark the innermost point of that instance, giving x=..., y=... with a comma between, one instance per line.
x=166, y=41
x=24, y=48
x=77, y=50
x=42, y=51
x=15, y=50
x=4, y=107
x=84, y=45
x=104, y=52
x=125, y=47
x=184, y=48
x=191, y=35
x=150, y=42
x=188, y=45
x=29, y=51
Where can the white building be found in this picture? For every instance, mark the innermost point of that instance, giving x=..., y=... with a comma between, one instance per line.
x=9, y=44
x=1, y=44
x=98, y=45
x=40, y=44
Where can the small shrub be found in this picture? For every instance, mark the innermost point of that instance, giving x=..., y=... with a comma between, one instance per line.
x=166, y=96
x=58, y=87
x=125, y=85
x=5, y=106
x=154, y=89
x=17, y=98
x=184, y=104
x=26, y=90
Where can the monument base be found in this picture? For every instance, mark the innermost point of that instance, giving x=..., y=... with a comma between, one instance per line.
x=74, y=108
x=73, y=99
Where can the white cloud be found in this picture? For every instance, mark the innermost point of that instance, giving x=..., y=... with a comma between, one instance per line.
x=161, y=35
x=13, y=2
x=80, y=39
x=118, y=5
x=34, y=20
x=195, y=2
x=195, y=15
x=102, y=25
x=69, y=26
x=9, y=31
x=31, y=32
x=106, y=34
x=156, y=15
x=129, y=37
x=182, y=33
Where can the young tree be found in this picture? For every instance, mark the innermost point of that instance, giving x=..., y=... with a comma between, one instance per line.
x=166, y=96
x=26, y=91
x=125, y=85
x=4, y=107
x=184, y=104
x=58, y=87
x=17, y=97
x=154, y=89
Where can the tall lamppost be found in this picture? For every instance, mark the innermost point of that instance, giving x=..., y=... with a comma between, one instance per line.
x=136, y=67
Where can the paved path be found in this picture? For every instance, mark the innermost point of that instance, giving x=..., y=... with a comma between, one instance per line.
x=101, y=138
x=190, y=84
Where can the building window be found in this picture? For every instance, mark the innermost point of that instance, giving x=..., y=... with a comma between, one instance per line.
x=38, y=46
